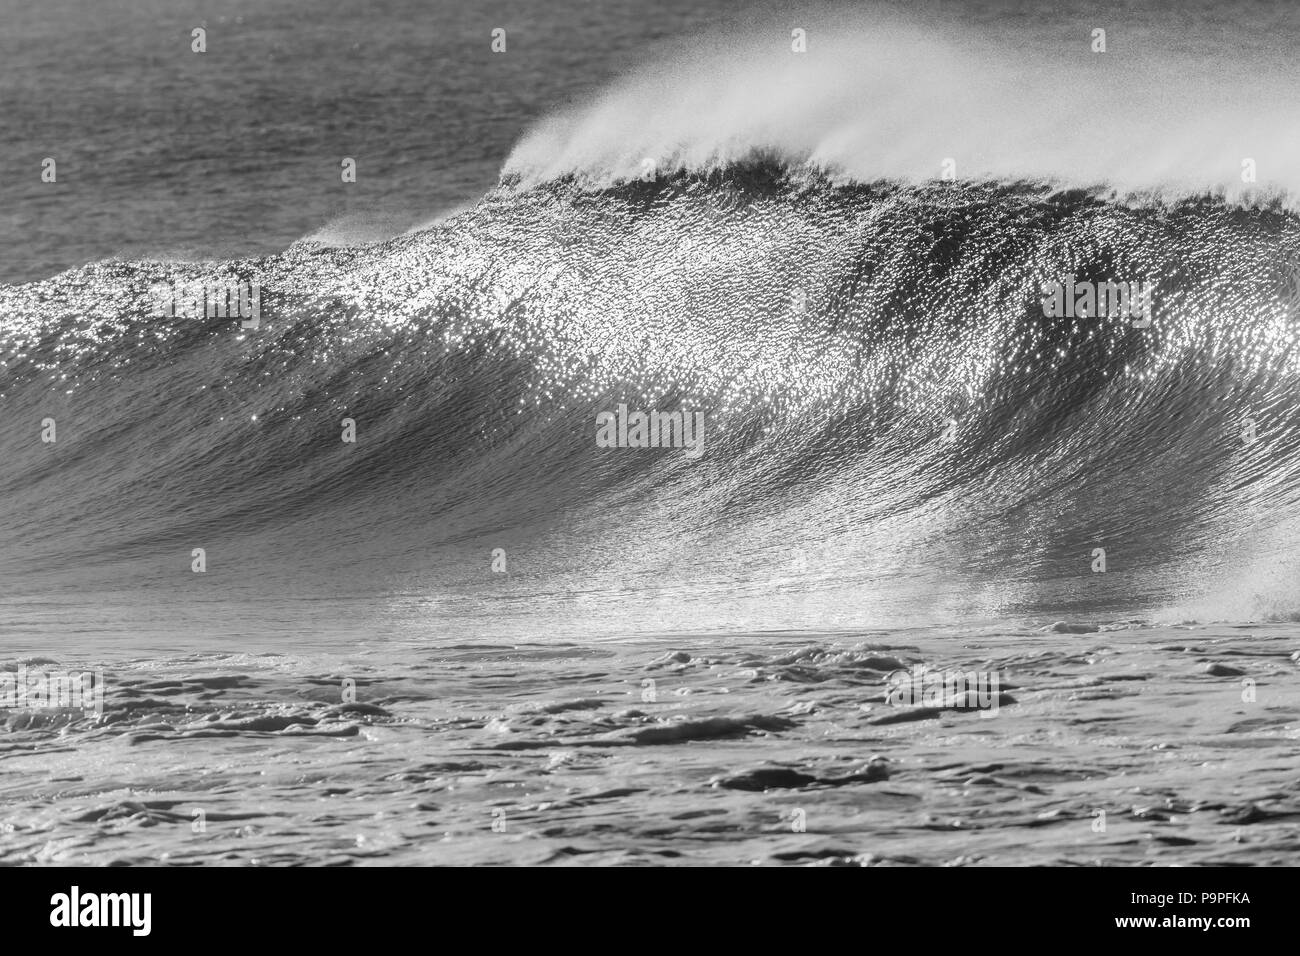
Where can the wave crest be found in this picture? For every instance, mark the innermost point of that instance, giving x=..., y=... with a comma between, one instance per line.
x=881, y=99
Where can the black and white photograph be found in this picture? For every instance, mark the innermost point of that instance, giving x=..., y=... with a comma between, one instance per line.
x=650, y=434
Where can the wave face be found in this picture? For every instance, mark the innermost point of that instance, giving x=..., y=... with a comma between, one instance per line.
x=894, y=429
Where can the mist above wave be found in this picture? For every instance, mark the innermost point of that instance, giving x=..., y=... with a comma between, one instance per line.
x=875, y=99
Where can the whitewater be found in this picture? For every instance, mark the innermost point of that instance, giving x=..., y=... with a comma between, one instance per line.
x=886, y=98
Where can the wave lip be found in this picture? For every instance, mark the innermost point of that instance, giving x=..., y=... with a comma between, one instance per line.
x=888, y=100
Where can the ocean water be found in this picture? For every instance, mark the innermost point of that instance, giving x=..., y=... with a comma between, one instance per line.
x=364, y=586
x=236, y=152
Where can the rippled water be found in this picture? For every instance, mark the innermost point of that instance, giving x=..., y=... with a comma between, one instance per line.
x=774, y=749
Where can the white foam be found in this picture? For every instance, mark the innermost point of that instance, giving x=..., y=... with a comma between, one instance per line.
x=876, y=100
